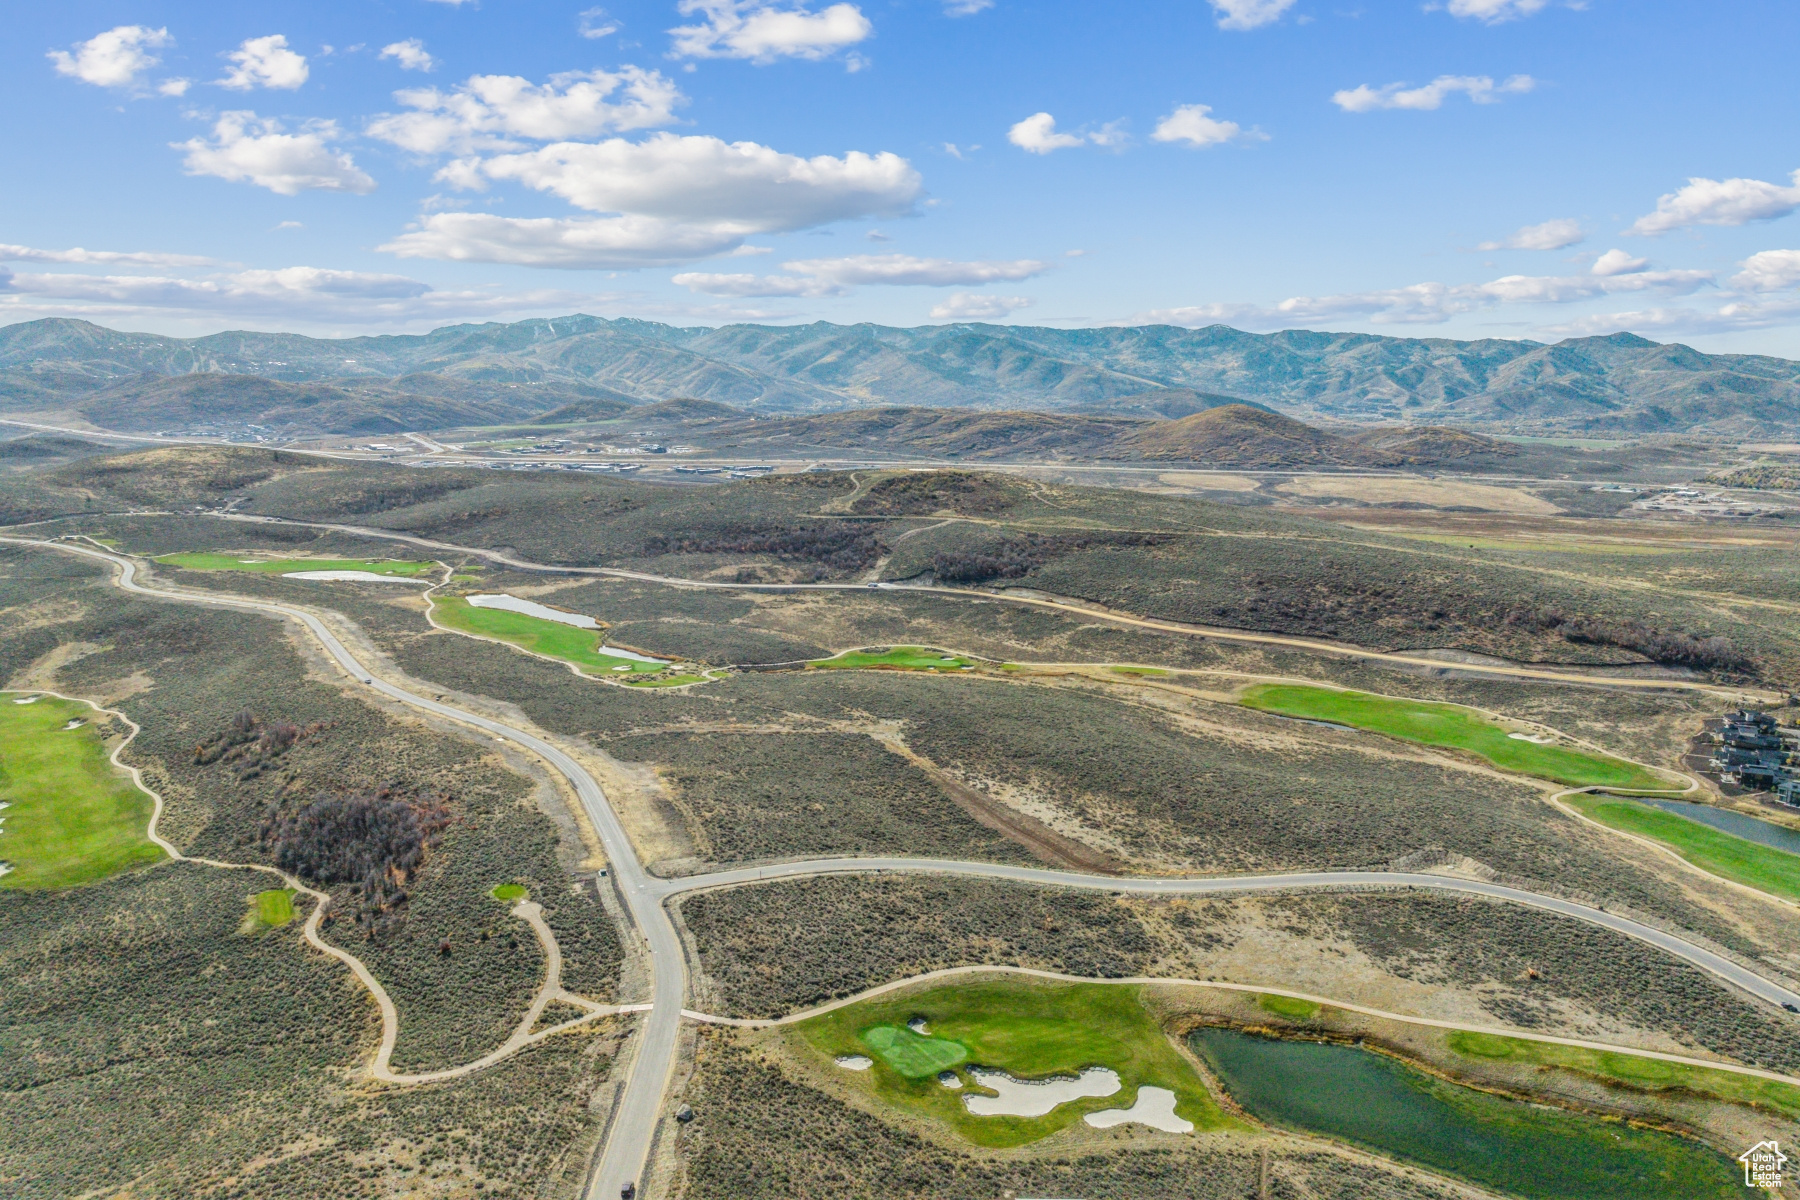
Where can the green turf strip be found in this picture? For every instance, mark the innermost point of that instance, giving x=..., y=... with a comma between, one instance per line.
x=1772, y=870
x=1028, y=1028
x=1454, y=727
x=283, y=566
x=71, y=816
x=899, y=658
x=1631, y=1070
x=1288, y=1006
x=552, y=639
x=508, y=892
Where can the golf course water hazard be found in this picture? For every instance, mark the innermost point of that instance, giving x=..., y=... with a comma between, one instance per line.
x=1763, y=833
x=1525, y=1149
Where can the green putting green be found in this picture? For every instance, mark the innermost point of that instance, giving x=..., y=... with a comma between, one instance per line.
x=1031, y=1029
x=1634, y=1071
x=1765, y=867
x=271, y=909
x=898, y=658
x=284, y=566
x=553, y=639
x=1287, y=1006
x=71, y=817
x=509, y=892
x=1454, y=727
x=913, y=1055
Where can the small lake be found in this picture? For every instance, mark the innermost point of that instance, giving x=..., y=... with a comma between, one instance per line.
x=1763, y=833
x=1036, y=1097
x=1526, y=1149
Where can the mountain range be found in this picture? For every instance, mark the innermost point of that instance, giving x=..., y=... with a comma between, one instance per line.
x=1619, y=385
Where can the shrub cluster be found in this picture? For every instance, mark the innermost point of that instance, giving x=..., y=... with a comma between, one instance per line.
x=1714, y=653
x=934, y=491
x=374, y=841
x=250, y=745
x=834, y=546
x=1018, y=556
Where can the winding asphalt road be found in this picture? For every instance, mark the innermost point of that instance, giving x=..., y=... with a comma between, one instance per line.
x=627, y=1148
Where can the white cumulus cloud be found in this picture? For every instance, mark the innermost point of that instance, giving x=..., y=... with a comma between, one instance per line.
x=1249, y=14
x=1720, y=202
x=756, y=285
x=966, y=8
x=1190, y=123
x=1617, y=262
x=410, y=54
x=16, y=253
x=265, y=62
x=1493, y=12
x=1550, y=235
x=245, y=148
x=1768, y=271
x=763, y=33
x=583, y=243
x=704, y=179
x=113, y=59
x=835, y=276
x=491, y=112
x=973, y=306
x=1037, y=134
x=1479, y=88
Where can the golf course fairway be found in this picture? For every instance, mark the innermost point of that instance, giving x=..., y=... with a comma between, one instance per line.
x=1452, y=727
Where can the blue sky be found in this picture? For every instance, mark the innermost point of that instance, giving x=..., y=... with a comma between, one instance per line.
x=1469, y=168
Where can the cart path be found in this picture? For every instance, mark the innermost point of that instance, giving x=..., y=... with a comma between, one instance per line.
x=626, y=1150
x=1053, y=603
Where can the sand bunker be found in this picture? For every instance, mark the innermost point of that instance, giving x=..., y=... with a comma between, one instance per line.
x=532, y=608
x=1036, y=1097
x=1155, y=1107
x=349, y=577
x=855, y=1062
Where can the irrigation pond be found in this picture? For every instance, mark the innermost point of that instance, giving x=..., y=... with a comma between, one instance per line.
x=1511, y=1146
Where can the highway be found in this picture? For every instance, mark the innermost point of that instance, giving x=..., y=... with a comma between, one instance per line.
x=626, y=1152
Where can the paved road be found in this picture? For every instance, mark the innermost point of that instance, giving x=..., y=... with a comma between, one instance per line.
x=629, y=1144
x=1053, y=603
x=1705, y=959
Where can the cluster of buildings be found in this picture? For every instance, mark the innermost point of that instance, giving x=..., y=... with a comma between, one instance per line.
x=1756, y=751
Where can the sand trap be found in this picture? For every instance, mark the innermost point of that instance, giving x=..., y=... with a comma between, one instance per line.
x=349, y=577
x=1534, y=739
x=950, y=1079
x=1036, y=1097
x=28, y=700
x=75, y=723
x=5, y=867
x=917, y=1025
x=1155, y=1107
x=1440, y=493
x=532, y=608
x=855, y=1062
